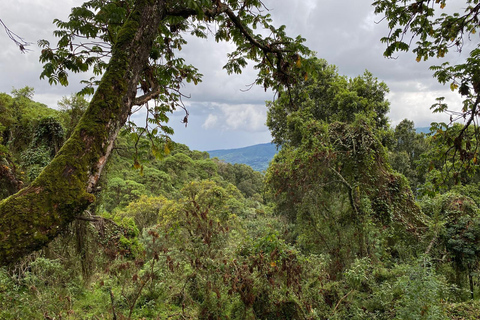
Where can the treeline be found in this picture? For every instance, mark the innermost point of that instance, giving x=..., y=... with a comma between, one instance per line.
x=352, y=220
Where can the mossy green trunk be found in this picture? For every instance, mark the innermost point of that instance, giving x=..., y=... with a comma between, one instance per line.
x=35, y=215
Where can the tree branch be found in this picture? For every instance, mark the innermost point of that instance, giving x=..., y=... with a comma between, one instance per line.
x=19, y=41
x=471, y=118
x=350, y=190
x=152, y=94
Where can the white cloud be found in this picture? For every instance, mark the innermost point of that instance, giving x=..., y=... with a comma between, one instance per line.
x=210, y=122
x=240, y=117
x=246, y=117
x=415, y=105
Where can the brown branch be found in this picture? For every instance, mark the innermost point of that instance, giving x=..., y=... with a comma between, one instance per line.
x=136, y=298
x=223, y=8
x=187, y=12
x=152, y=94
x=472, y=117
x=95, y=219
x=339, y=301
x=113, y=304
x=238, y=23
x=89, y=219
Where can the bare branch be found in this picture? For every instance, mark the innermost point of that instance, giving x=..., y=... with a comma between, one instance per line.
x=19, y=41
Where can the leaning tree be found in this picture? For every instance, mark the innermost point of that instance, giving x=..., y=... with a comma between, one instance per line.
x=133, y=45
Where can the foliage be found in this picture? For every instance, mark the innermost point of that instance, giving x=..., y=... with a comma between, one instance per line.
x=195, y=248
x=169, y=175
x=23, y=119
x=456, y=232
x=337, y=233
x=437, y=31
x=143, y=37
x=145, y=210
x=72, y=109
x=444, y=165
x=407, y=291
x=30, y=135
x=422, y=293
x=165, y=73
x=249, y=182
x=436, y=34
x=332, y=177
x=23, y=93
x=463, y=310
x=326, y=96
x=407, y=149
x=31, y=295
x=9, y=181
x=339, y=189
x=122, y=192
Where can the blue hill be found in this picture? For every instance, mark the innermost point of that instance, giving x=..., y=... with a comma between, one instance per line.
x=257, y=156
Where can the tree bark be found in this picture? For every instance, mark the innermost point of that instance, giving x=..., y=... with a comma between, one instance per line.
x=37, y=214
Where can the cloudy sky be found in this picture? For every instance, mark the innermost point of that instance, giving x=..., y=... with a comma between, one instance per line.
x=344, y=32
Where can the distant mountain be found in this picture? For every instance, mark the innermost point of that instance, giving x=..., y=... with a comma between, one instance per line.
x=257, y=156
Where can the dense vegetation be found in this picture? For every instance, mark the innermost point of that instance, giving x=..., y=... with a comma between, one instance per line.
x=333, y=232
x=353, y=219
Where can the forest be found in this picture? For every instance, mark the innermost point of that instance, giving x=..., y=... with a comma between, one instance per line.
x=103, y=218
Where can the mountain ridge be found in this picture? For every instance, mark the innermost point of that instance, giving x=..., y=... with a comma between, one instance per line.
x=257, y=156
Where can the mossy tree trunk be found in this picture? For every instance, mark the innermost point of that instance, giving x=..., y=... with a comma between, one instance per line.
x=35, y=215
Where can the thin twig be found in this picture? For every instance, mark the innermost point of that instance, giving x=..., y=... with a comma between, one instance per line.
x=339, y=301
x=19, y=41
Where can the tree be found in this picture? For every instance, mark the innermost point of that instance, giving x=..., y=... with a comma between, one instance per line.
x=26, y=92
x=457, y=234
x=445, y=166
x=436, y=34
x=407, y=149
x=324, y=95
x=339, y=190
x=331, y=177
x=72, y=110
x=35, y=215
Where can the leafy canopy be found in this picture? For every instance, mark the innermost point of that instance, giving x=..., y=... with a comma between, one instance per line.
x=326, y=96
x=86, y=40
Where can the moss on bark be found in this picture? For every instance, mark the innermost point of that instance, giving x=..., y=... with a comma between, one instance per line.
x=35, y=215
